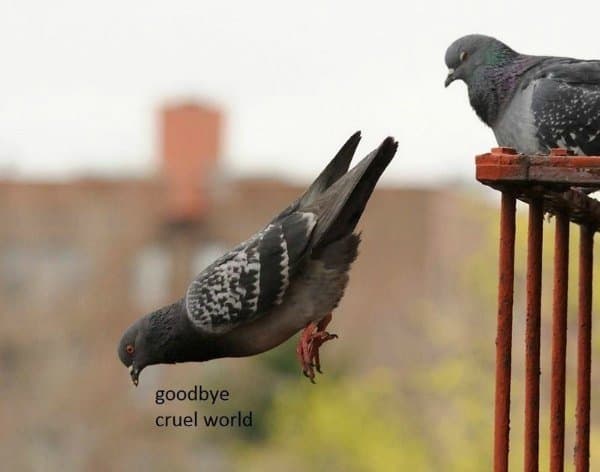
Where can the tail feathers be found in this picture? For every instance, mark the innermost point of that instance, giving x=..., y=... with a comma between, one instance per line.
x=342, y=205
x=336, y=168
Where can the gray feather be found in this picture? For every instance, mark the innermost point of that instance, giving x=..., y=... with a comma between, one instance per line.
x=341, y=206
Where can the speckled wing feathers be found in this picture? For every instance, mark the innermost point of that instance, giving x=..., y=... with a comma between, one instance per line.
x=566, y=105
x=251, y=278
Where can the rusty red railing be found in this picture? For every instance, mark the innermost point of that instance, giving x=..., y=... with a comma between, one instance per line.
x=545, y=184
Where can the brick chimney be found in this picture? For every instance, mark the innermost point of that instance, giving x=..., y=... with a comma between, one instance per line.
x=190, y=151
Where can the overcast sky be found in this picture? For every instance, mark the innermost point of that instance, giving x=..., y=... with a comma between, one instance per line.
x=80, y=82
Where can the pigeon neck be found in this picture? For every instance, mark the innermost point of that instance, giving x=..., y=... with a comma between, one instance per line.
x=493, y=85
x=166, y=328
x=174, y=338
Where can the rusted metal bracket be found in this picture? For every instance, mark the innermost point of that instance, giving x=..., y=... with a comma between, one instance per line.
x=559, y=170
x=531, y=178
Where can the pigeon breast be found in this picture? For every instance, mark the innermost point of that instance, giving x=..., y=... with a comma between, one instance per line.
x=516, y=126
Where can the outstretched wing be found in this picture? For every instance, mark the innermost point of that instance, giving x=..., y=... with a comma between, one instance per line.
x=251, y=278
x=566, y=105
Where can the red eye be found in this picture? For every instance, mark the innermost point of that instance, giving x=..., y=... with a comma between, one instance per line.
x=129, y=349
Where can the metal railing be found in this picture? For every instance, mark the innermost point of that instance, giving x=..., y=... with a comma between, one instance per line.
x=545, y=184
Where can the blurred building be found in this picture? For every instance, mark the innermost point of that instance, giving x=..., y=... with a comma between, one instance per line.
x=81, y=260
x=142, y=240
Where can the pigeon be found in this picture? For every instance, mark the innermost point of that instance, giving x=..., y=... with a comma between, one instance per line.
x=286, y=278
x=532, y=103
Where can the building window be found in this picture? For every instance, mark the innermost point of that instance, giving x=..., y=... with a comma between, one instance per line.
x=42, y=274
x=152, y=277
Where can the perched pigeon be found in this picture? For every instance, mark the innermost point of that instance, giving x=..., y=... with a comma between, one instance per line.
x=532, y=103
x=285, y=278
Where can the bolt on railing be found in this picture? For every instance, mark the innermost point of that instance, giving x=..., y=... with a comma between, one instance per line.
x=544, y=183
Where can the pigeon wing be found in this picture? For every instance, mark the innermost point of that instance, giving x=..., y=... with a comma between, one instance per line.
x=566, y=105
x=250, y=279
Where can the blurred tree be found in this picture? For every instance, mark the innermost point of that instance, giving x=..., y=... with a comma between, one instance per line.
x=354, y=424
x=438, y=415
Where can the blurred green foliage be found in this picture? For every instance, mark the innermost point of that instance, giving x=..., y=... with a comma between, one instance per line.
x=438, y=413
x=354, y=424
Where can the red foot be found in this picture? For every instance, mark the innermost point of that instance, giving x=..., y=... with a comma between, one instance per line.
x=311, y=339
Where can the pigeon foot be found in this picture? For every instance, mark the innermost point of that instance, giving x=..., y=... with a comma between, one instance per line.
x=311, y=339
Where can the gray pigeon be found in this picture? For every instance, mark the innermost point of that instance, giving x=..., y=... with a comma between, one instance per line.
x=532, y=103
x=287, y=277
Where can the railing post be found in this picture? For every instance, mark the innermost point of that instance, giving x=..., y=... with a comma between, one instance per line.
x=504, y=332
x=559, y=343
x=584, y=349
x=532, y=334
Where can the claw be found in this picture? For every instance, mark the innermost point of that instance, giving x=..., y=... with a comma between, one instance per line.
x=311, y=339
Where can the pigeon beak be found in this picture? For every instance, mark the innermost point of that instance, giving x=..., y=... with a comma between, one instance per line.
x=135, y=373
x=450, y=78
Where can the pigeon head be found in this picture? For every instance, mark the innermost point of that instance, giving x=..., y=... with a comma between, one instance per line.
x=468, y=54
x=152, y=339
x=132, y=349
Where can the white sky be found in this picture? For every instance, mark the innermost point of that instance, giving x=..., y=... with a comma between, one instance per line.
x=80, y=83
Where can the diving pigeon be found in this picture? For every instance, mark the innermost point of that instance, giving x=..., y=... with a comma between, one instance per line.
x=287, y=277
x=532, y=103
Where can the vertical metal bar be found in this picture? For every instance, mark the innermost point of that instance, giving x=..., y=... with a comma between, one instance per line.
x=532, y=335
x=559, y=343
x=504, y=332
x=584, y=350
